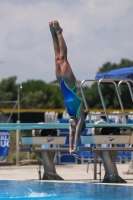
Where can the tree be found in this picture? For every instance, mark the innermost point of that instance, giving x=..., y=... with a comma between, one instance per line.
x=38, y=94
x=8, y=91
x=34, y=94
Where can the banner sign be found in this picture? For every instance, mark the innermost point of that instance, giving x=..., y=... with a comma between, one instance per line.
x=4, y=142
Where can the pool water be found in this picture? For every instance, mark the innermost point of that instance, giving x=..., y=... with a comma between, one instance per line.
x=63, y=191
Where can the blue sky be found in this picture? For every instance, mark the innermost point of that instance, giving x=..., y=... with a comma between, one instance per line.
x=96, y=31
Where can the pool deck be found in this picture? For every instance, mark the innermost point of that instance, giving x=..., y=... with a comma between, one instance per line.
x=72, y=172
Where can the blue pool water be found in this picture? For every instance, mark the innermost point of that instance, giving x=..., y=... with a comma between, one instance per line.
x=63, y=191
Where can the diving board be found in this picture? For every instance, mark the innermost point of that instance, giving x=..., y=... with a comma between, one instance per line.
x=36, y=126
x=27, y=140
x=47, y=154
x=107, y=139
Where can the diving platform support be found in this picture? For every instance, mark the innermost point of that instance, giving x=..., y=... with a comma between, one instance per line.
x=46, y=154
x=49, y=167
x=111, y=172
x=108, y=155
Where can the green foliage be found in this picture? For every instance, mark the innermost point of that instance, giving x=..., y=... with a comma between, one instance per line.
x=35, y=157
x=8, y=91
x=34, y=94
x=38, y=94
x=11, y=158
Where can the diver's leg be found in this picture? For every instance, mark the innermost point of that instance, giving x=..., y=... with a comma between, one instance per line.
x=81, y=120
x=55, y=39
x=56, y=51
x=72, y=130
x=61, y=41
x=66, y=71
x=71, y=139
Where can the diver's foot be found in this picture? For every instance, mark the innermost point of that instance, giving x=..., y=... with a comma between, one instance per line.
x=86, y=113
x=75, y=154
x=57, y=27
x=70, y=150
x=52, y=28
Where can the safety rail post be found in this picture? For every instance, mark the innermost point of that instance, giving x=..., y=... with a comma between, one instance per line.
x=128, y=84
x=95, y=166
x=131, y=93
x=84, y=100
x=117, y=92
x=17, y=145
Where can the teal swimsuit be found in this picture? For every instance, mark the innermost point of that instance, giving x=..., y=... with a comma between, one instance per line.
x=72, y=101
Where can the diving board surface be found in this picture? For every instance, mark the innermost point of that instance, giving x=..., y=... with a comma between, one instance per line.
x=36, y=126
x=107, y=139
x=43, y=140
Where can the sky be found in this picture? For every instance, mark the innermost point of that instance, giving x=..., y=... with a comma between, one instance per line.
x=95, y=31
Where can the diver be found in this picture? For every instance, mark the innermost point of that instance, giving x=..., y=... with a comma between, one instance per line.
x=67, y=82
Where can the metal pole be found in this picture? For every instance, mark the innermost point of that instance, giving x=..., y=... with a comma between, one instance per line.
x=95, y=166
x=18, y=131
x=18, y=102
x=17, y=145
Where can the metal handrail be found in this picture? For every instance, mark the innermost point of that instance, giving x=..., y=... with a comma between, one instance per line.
x=118, y=94
x=84, y=100
x=129, y=86
x=118, y=91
